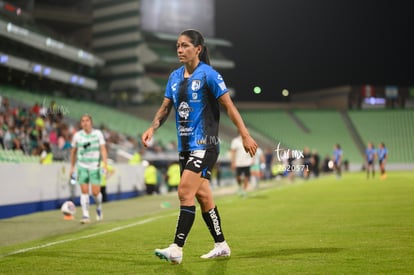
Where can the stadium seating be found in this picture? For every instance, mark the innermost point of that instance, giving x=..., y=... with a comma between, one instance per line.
x=393, y=127
x=102, y=115
x=109, y=117
x=316, y=129
x=325, y=129
x=16, y=156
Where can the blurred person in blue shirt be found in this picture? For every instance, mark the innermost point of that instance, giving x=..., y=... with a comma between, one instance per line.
x=370, y=156
x=337, y=154
x=382, y=159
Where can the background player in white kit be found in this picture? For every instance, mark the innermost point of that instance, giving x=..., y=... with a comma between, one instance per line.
x=241, y=161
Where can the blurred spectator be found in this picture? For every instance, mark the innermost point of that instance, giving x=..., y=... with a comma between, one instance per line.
x=382, y=159
x=173, y=176
x=10, y=140
x=136, y=159
x=39, y=126
x=337, y=159
x=5, y=105
x=216, y=174
x=128, y=144
x=370, y=156
x=171, y=146
x=27, y=128
x=46, y=155
x=105, y=175
x=268, y=163
x=53, y=138
x=3, y=128
x=290, y=171
x=307, y=162
x=346, y=165
x=150, y=178
x=315, y=163
x=258, y=166
x=24, y=139
x=35, y=109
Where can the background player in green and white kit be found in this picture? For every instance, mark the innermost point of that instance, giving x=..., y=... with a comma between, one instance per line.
x=88, y=149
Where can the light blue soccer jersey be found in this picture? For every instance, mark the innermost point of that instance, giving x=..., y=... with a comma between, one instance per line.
x=196, y=105
x=370, y=154
x=382, y=153
x=337, y=155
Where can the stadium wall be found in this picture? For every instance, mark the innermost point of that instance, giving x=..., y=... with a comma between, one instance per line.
x=29, y=188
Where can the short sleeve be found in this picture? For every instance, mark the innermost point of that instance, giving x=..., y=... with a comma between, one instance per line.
x=233, y=145
x=173, y=79
x=74, y=140
x=216, y=83
x=101, y=138
x=168, y=89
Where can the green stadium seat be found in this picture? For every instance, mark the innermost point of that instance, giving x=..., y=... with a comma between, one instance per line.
x=393, y=127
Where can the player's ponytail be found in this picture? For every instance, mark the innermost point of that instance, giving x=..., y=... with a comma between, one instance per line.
x=204, y=55
x=197, y=39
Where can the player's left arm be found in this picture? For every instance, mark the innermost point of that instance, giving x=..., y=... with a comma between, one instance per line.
x=104, y=153
x=249, y=144
x=218, y=87
x=73, y=157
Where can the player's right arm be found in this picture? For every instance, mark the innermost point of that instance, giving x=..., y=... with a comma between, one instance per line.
x=73, y=152
x=160, y=117
x=72, y=160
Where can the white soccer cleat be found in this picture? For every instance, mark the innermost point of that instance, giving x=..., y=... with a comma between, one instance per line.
x=173, y=254
x=99, y=215
x=220, y=250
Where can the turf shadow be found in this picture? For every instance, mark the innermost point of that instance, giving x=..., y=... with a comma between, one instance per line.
x=289, y=252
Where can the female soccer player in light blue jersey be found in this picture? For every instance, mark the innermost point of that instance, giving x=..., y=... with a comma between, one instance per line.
x=382, y=159
x=370, y=156
x=195, y=90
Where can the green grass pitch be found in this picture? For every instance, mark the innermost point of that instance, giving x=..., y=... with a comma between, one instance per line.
x=321, y=226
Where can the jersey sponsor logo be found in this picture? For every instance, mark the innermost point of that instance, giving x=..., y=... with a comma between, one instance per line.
x=184, y=110
x=196, y=162
x=174, y=87
x=194, y=98
x=216, y=222
x=219, y=77
x=195, y=85
x=222, y=86
x=185, y=131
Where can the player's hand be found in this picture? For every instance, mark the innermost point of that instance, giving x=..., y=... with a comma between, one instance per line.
x=250, y=145
x=105, y=169
x=71, y=171
x=147, y=136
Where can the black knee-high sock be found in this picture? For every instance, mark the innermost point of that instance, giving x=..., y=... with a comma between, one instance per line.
x=213, y=222
x=184, y=224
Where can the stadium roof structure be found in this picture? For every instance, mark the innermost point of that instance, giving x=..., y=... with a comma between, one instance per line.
x=209, y=41
x=48, y=44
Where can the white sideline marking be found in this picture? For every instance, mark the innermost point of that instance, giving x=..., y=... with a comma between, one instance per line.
x=84, y=237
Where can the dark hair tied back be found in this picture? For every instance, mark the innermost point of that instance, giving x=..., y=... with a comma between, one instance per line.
x=197, y=39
